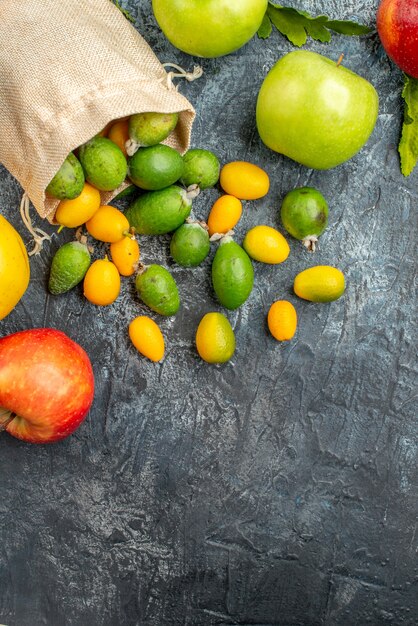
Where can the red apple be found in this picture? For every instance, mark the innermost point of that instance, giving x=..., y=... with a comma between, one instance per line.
x=397, y=25
x=46, y=385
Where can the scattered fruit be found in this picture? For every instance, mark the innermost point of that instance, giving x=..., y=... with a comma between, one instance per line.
x=119, y=134
x=102, y=282
x=321, y=283
x=158, y=290
x=201, y=168
x=190, y=244
x=69, y=266
x=304, y=213
x=125, y=254
x=155, y=167
x=224, y=215
x=160, y=212
x=243, y=180
x=108, y=224
x=147, y=337
x=266, y=245
x=232, y=274
x=46, y=385
x=215, y=339
x=68, y=182
x=282, y=320
x=104, y=164
x=14, y=268
x=73, y=213
x=209, y=29
x=314, y=110
x=148, y=129
x=397, y=25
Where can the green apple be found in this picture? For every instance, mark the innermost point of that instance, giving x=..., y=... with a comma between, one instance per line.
x=209, y=28
x=314, y=110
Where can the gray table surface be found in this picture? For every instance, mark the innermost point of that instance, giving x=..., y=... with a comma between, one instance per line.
x=280, y=488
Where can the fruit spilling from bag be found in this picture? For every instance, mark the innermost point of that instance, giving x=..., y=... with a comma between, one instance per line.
x=103, y=162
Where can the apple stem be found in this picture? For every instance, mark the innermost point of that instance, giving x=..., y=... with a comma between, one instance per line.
x=10, y=418
x=340, y=60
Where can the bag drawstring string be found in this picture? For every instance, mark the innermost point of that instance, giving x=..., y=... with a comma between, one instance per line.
x=181, y=73
x=39, y=236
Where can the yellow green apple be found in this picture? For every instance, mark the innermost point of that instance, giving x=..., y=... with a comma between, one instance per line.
x=315, y=111
x=209, y=28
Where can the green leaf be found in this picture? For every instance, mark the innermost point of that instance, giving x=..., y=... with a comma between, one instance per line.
x=408, y=145
x=266, y=28
x=348, y=28
x=298, y=25
x=317, y=29
x=289, y=23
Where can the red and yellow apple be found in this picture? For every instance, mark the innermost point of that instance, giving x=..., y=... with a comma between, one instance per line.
x=46, y=385
x=397, y=25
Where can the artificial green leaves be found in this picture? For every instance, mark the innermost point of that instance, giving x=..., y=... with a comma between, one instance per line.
x=297, y=25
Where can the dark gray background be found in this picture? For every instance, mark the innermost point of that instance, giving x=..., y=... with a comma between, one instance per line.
x=279, y=488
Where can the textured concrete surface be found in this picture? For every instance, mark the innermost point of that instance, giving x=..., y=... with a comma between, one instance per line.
x=280, y=488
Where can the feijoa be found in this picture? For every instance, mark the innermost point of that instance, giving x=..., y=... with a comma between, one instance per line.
x=232, y=274
x=155, y=167
x=190, y=244
x=159, y=212
x=148, y=129
x=201, y=167
x=68, y=182
x=69, y=266
x=304, y=213
x=104, y=163
x=158, y=290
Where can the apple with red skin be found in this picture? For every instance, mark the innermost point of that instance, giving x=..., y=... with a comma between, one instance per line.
x=397, y=25
x=46, y=385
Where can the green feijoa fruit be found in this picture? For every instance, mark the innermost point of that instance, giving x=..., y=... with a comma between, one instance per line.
x=104, y=163
x=148, y=129
x=201, y=167
x=232, y=274
x=68, y=182
x=158, y=290
x=304, y=214
x=155, y=167
x=190, y=244
x=160, y=212
x=69, y=266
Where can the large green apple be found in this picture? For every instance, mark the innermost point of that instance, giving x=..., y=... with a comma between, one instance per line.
x=315, y=111
x=209, y=28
